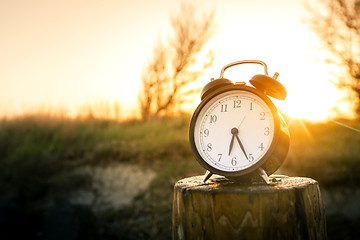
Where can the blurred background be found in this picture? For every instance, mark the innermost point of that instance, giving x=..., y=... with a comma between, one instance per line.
x=96, y=99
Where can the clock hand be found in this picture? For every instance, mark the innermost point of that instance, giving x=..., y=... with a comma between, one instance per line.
x=231, y=143
x=234, y=132
x=241, y=146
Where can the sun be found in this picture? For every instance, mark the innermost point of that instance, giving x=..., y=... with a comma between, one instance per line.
x=312, y=95
x=311, y=99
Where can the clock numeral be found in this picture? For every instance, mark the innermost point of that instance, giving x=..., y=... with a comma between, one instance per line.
x=223, y=107
x=251, y=106
x=206, y=132
x=220, y=156
x=213, y=118
x=209, y=147
x=251, y=157
x=262, y=116
x=261, y=147
x=267, y=131
x=237, y=103
x=233, y=161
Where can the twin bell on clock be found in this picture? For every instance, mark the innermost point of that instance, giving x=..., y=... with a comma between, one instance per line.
x=236, y=131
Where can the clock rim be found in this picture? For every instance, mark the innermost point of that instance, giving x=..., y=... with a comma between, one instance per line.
x=266, y=156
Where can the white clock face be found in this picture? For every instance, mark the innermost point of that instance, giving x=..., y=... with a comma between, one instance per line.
x=234, y=130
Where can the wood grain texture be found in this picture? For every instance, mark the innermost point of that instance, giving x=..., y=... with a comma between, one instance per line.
x=287, y=208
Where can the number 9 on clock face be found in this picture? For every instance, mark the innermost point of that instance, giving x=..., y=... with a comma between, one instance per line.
x=232, y=132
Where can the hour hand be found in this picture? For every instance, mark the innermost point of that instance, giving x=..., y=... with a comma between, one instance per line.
x=231, y=143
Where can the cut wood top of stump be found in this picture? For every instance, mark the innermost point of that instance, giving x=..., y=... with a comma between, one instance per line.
x=223, y=184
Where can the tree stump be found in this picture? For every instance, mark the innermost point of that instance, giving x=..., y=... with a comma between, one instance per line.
x=287, y=208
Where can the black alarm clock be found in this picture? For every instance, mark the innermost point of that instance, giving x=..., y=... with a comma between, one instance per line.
x=236, y=131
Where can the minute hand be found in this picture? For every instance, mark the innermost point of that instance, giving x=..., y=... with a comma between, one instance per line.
x=241, y=146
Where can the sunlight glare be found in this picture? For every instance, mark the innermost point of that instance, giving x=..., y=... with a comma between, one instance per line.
x=294, y=54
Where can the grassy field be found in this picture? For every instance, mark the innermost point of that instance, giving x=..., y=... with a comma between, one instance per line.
x=40, y=156
x=327, y=152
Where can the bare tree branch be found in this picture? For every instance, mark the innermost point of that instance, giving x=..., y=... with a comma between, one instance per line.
x=337, y=23
x=167, y=75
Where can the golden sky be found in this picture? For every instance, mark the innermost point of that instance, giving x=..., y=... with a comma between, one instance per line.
x=65, y=53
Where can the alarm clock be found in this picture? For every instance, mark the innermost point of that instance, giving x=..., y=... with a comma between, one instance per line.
x=236, y=131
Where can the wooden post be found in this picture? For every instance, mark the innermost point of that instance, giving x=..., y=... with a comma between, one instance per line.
x=287, y=208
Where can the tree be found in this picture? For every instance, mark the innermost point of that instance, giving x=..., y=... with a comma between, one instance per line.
x=337, y=23
x=166, y=77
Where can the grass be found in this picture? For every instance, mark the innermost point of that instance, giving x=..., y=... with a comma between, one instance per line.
x=327, y=152
x=38, y=156
x=48, y=147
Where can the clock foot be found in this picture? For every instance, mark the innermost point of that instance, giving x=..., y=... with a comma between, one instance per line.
x=208, y=174
x=263, y=175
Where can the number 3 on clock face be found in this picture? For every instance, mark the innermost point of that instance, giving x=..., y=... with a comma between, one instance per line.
x=233, y=131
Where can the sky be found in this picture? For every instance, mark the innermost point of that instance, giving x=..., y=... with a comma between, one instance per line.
x=66, y=54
